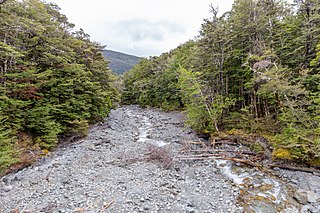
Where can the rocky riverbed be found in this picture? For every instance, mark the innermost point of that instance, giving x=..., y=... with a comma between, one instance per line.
x=130, y=164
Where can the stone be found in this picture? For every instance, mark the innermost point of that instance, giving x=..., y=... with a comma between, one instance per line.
x=7, y=188
x=98, y=143
x=146, y=208
x=309, y=208
x=305, y=197
x=91, y=178
x=233, y=209
x=17, y=178
x=312, y=197
x=190, y=210
x=301, y=196
x=5, y=179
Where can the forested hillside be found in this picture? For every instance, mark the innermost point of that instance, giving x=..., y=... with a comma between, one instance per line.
x=54, y=81
x=253, y=70
x=120, y=62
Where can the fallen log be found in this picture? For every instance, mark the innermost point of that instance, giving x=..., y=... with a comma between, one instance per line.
x=214, y=157
x=223, y=142
x=222, y=150
x=195, y=142
x=301, y=169
x=246, y=162
x=197, y=158
x=106, y=206
x=200, y=155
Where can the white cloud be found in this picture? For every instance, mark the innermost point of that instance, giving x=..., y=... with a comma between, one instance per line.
x=140, y=27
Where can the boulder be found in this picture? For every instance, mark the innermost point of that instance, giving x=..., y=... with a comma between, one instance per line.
x=305, y=197
x=313, y=197
x=309, y=208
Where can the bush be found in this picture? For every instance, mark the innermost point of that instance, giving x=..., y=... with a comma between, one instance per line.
x=297, y=144
x=7, y=152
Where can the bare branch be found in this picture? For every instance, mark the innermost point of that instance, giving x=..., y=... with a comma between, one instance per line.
x=214, y=10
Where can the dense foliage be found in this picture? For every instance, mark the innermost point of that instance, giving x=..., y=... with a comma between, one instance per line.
x=53, y=81
x=255, y=68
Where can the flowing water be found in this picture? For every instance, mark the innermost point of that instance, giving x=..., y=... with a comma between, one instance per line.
x=259, y=192
x=94, y=174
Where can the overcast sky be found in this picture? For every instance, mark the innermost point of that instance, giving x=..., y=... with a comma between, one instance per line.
x=140, y=27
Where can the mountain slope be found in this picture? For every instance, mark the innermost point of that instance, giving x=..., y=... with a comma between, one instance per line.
x=120, y=62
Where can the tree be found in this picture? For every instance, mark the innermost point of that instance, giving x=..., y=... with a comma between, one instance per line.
x=54, y=81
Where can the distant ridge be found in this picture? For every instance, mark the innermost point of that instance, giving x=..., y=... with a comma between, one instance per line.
x=120, y=62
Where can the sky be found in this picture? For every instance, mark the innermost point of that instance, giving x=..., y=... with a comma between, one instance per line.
x=140, y=27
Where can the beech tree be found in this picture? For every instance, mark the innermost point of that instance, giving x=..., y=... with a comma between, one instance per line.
x=254, y=68
x=54, y=81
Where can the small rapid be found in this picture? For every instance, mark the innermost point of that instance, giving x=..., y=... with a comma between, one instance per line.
x=109, y=171
x=259, y=192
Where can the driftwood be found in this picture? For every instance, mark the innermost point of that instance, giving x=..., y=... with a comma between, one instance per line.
x=302, y=169
x=217, y=157
x=208, y=152
x=78, y=210
x=200, y=155
x=197, y=158
x=106, y=206
x=48, y=175
x=225, y=150
x=223, y=142
x=109, y=204
x=243, y=161
x=195, y=142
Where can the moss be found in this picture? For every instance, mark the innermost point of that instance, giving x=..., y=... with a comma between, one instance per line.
x=314, y=162
x=282, y=153
x=256, y=147
x=239, y=132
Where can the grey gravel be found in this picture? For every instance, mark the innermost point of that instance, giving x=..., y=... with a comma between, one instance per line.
x=109, y=171
x=95, y=175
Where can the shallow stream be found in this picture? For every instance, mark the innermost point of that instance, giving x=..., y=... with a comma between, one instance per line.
x=259, y=192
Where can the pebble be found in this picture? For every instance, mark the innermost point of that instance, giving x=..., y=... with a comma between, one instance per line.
x=306, y=196
x=7, y=188
x=5, y=179
x=309, y=208
x=83, y=176
x=190, y=210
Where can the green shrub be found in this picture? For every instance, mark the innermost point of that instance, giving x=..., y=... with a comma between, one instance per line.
x=8, y=155
x=297, y=144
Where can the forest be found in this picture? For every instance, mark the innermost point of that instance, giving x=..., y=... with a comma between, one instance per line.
x=252, y=71
x=54, y=81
